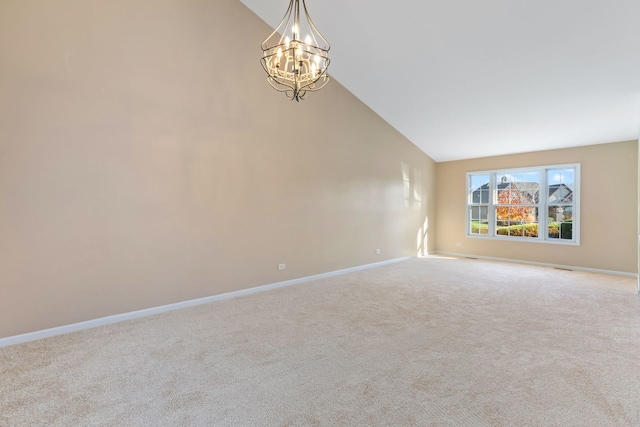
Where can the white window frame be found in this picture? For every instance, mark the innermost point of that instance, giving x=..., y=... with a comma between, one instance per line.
x=543, y=205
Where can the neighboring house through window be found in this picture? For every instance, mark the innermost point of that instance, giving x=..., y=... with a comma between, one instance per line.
x=517, y=204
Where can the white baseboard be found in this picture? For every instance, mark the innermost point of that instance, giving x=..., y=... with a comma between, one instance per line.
x=541, y=264
x=32, y=336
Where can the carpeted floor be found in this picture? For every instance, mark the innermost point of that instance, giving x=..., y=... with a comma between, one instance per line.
x=427, y=342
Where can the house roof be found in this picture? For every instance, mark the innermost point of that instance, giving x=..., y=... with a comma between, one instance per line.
x=467, y=79
x=561, y=192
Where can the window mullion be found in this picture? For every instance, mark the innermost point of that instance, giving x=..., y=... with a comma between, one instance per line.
x=543, y=210
x=491, y=216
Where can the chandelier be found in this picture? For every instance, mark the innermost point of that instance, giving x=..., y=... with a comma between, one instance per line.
x=293, y=57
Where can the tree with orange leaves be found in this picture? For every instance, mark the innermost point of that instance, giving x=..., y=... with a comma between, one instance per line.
x=512, y=195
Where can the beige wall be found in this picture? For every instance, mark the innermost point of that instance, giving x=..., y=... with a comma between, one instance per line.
x=145, y=160
x=608, y=211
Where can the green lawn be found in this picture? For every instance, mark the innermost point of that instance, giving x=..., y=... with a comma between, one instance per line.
x=479, y=228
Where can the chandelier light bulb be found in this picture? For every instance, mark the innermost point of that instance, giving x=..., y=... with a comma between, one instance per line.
x=305, y=63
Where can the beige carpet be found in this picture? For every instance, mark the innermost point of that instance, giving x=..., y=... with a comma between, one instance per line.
x=427, y=342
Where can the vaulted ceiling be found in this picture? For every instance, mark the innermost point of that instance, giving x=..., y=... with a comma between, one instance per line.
x=467, y=78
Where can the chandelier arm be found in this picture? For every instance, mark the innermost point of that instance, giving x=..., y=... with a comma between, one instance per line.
x=296, y=20
x=283, y=21
x=315, y=29
x=279, y=89
x=311, y=88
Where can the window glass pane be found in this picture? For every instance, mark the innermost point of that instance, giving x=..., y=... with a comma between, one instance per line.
x=524, y=213
x=484, y=213
x=566, y=230
x=518, y=229
x=517, y=194
x=518, y=188
x=560, y=222
x=475, y=212
x=479, y=227
x=479, y=220
x=515, y=224
x=560, y=214
x=480, y=213
x=561, y=184
x=474, y=227
x=480, y=188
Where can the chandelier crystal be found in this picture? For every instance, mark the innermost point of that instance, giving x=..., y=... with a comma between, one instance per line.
x=296, y=55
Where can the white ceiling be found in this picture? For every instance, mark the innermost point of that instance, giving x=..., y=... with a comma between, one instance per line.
x=468, y=78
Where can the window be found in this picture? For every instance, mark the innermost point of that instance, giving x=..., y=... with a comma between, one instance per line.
x=516, y=204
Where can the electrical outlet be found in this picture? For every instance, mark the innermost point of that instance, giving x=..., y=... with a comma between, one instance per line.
x=378, y=251
x=458, y=244
x=282, y=266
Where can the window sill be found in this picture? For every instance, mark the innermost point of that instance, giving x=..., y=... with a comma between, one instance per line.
x=525, y=239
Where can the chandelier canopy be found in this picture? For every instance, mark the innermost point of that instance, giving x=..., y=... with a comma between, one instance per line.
x=296, y=55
